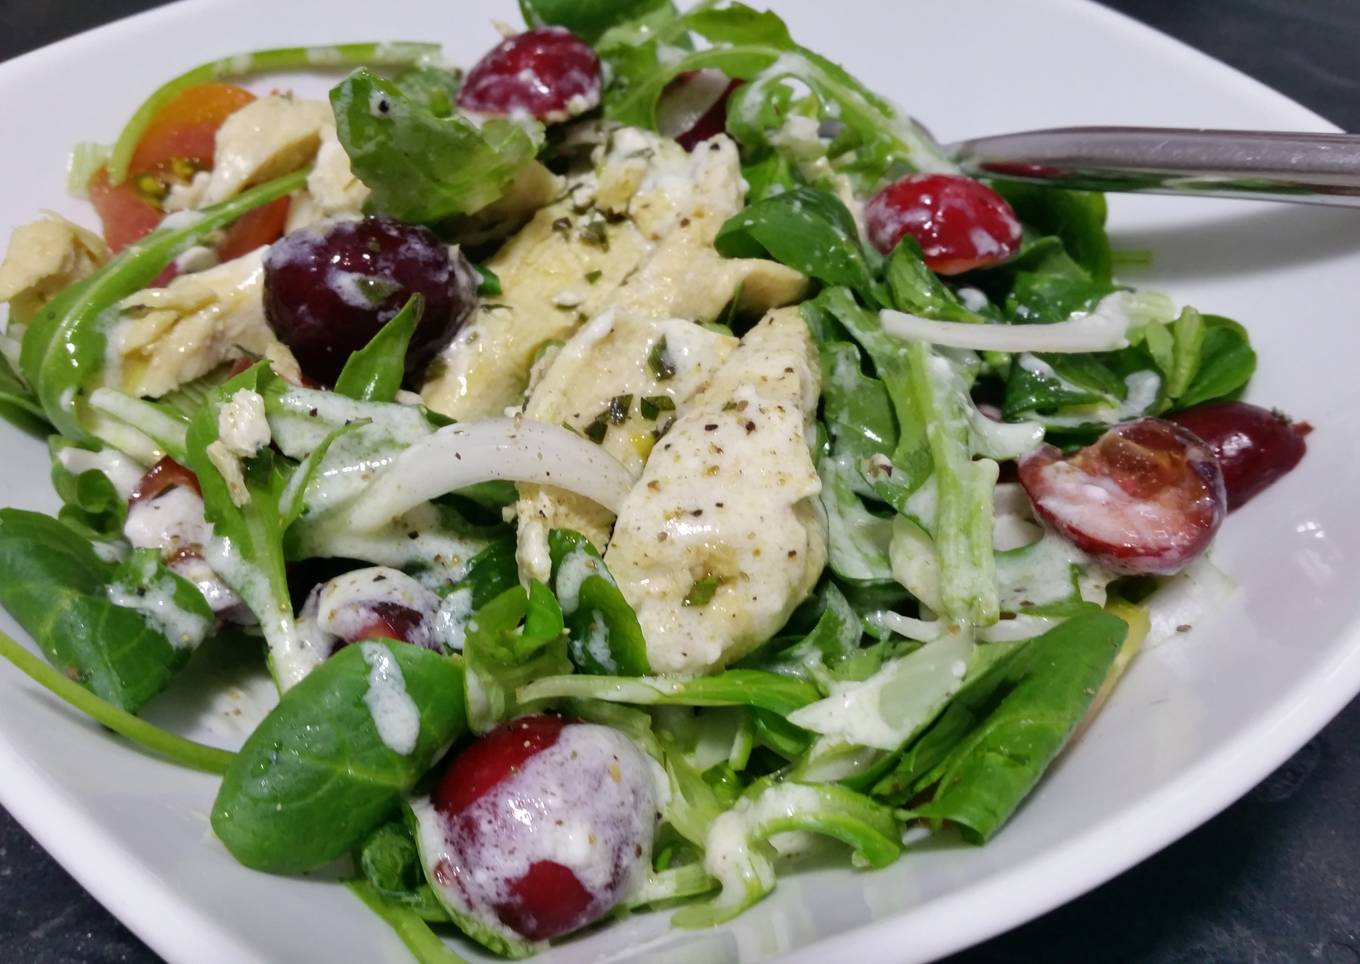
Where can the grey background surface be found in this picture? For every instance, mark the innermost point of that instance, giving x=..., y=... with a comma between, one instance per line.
x=1275, y=878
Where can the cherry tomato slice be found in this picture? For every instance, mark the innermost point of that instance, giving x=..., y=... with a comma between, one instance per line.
x=389, y=620
x=126, y=213
x=1146, y=497
x=1255, y=446
x=548, y=73
x=549, y=899
x=254, y=229
x=960, y=223
x=491, y=759
x=184, y=131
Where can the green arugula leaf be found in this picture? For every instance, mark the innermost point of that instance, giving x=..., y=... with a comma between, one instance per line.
x=63, y=348
x=422, y=167
x=588, y=19
x=316, y=778
x=374, y=373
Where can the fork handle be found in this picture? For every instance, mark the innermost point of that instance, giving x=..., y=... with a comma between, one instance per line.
x=1301, y=168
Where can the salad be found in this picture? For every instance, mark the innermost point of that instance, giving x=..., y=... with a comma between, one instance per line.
x=638, y=459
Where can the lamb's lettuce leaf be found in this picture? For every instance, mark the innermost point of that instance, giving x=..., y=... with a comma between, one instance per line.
x=316, y=777
x=57, y=588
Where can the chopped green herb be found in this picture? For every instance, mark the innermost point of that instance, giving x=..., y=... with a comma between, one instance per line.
x=653, y=405
x=659, y=361
x=592, y=231
x=617, y=412
x=375, y=290
x=491, y=284
x=596, y=430
x=701, y=593
x=594, y=276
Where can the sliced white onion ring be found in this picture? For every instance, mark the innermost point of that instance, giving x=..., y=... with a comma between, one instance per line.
x=513, y=449
x=1104, y=329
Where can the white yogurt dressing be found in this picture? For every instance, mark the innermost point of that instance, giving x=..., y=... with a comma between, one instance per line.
x=451, y=621
x=158, y=606
x=345, y=604
x=117, y=467
x=394, y=712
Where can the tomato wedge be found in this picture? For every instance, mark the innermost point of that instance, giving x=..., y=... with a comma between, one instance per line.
x=1146, y=497
x=184, y=131
x=179, y=141
x=262, y=226
x=127, y=214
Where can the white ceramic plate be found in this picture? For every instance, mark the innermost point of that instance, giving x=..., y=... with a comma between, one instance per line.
x=1193, y=726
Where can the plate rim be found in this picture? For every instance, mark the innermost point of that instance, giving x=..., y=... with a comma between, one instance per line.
x=136, y=895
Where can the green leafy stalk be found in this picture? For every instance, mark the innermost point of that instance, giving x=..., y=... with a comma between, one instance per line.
x=63, y=349
x=424, y=944
x=742, y=832
x=248, y=524
x=316, y=778
x=374, y=372
x=502, y=656
x=176, y=749
x=963, y=487
x=420, y=166
x=385, y=54
x=390, y=862
x=733, y=687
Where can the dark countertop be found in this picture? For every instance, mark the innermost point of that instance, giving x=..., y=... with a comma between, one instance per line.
x=1275, y=879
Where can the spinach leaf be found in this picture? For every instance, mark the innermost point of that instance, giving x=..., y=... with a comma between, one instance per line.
x=390, y=861
x=91, y=505
x=374, y=372
x=1227, y=362
x=316, y=778
x=1049, y=384
x=381, y=54
x=422, y=167
x=1076, y=218
x=63, y=348
x=1026, y=710
x=603, y=634
x=174, y=748
x=56, y=587
x=918, y=290
x=588, y=19
x=804, y=228
x=501, y=656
